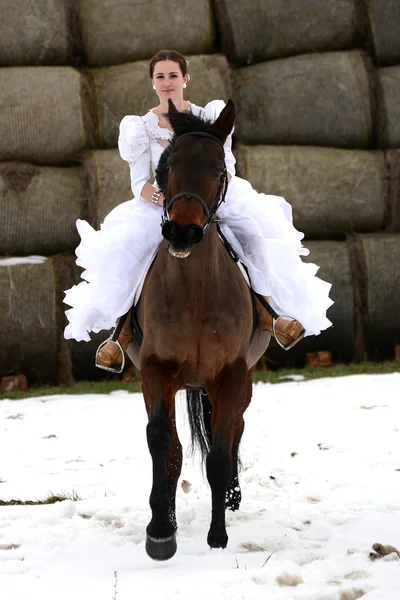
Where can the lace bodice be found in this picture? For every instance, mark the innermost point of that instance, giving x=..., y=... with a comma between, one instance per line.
x=142, y=141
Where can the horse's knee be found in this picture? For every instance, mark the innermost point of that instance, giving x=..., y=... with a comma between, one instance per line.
x=159, y=432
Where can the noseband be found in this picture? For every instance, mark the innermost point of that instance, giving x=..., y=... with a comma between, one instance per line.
x=219, y=198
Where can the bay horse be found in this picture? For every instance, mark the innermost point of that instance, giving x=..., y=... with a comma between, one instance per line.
x=197, y=319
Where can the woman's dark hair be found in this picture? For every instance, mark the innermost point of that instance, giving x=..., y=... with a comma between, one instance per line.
x=173, y=55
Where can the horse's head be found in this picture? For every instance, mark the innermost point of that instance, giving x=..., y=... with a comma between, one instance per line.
x=192, y=175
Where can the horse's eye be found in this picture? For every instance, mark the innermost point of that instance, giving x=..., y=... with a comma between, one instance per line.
x=218, y=173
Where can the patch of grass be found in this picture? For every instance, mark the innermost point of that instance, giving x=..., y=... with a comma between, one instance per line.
x=339, y=370
x=81, y=387
x=279, y=376
x=51, y=499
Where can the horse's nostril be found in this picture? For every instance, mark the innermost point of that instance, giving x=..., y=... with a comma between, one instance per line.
x=194, y=234
x=169, y=231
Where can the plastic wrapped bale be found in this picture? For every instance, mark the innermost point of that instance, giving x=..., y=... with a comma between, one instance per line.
x=384, y=17
x=39, y=207
x=109, y=183
x=382, y=293
x=127, y=89
x=31, y=319
x=255, y=31
x=333, y=259
x=45, y=115
x=136, y=30
x=332, y=191
x=43, y=32
x=314, y=99
x=389, y=134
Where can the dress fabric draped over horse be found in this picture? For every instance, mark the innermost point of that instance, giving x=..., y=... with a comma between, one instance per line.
x=258, y=226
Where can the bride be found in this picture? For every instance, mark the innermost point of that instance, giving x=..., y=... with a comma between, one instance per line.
x=258, y=226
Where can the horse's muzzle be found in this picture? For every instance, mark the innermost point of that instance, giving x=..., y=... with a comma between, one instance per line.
x=181, y=238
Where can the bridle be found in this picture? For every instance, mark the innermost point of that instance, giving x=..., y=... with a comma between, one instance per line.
x=219, y=198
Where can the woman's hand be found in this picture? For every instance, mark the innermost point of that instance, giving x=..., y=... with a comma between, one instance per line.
x=157, y=197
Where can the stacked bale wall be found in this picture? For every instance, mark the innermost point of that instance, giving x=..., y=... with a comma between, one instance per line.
x=317, y=90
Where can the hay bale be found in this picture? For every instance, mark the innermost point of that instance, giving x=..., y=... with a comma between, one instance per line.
x=255, y=31
x=392, y=158
x=382, y=259
x=384, y=17
x=83, y=355
x=28, y=341
x=32, y=318
x=332, y=191
x=333, y=259
x=39, y=207
x=44, y=116
x=109, y=183
x=127, y=90
x=318, y=99
x=136, y=30
x=389, y=80
x=43, y=36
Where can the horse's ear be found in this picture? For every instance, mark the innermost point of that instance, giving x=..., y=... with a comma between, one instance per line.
x=226, y=119
x=171, y=107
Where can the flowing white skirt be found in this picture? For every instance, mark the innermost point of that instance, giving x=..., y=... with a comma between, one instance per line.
x=258, y=226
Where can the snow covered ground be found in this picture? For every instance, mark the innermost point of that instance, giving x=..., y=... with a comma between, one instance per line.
x=320, y=484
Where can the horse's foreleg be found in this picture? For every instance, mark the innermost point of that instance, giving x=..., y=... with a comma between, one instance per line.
x=174, y=468
x=234, y=494
x=228, y=398
x=166, y=454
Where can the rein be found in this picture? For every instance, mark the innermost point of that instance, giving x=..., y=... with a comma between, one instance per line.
x=219, y=198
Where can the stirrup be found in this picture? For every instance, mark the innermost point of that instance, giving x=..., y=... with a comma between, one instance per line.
x=291, y=344
x=99, y=366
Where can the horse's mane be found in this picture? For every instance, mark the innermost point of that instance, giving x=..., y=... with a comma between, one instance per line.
x=183, y=122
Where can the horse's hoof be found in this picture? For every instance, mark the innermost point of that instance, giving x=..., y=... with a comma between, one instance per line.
x=218, y=541
x=161, y=549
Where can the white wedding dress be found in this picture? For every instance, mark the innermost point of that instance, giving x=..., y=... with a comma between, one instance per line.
x=258, y=226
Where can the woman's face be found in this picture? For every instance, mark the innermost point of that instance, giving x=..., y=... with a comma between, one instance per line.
x=168, y=80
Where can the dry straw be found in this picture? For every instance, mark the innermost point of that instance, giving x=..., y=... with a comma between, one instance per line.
x=389, y=80
x=332, y=191
x=255, y=31
x=39, y=208
x=43, y=115
x=384, y=18
x=136, y=30
x=382, y=259
x=313, y=99
x=28, y=328
x=108, y=183
x=34, y=33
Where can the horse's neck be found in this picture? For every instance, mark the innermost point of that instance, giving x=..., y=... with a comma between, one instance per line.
x=207, y=255
x=204, y=265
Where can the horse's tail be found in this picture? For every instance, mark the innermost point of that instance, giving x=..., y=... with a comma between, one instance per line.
x=200, y=410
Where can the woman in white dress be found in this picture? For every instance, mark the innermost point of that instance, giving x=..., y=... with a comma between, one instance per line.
x=258, y=226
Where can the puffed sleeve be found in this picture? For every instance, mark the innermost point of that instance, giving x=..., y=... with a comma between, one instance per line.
x=212, y=111
x=134, y=147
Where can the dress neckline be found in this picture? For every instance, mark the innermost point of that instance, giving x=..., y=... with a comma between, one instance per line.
x=162, y=133
x=157, y=119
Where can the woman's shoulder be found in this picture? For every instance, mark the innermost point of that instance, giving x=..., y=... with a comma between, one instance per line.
x=133, y=138
x=132, y=121
x=210, y=111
